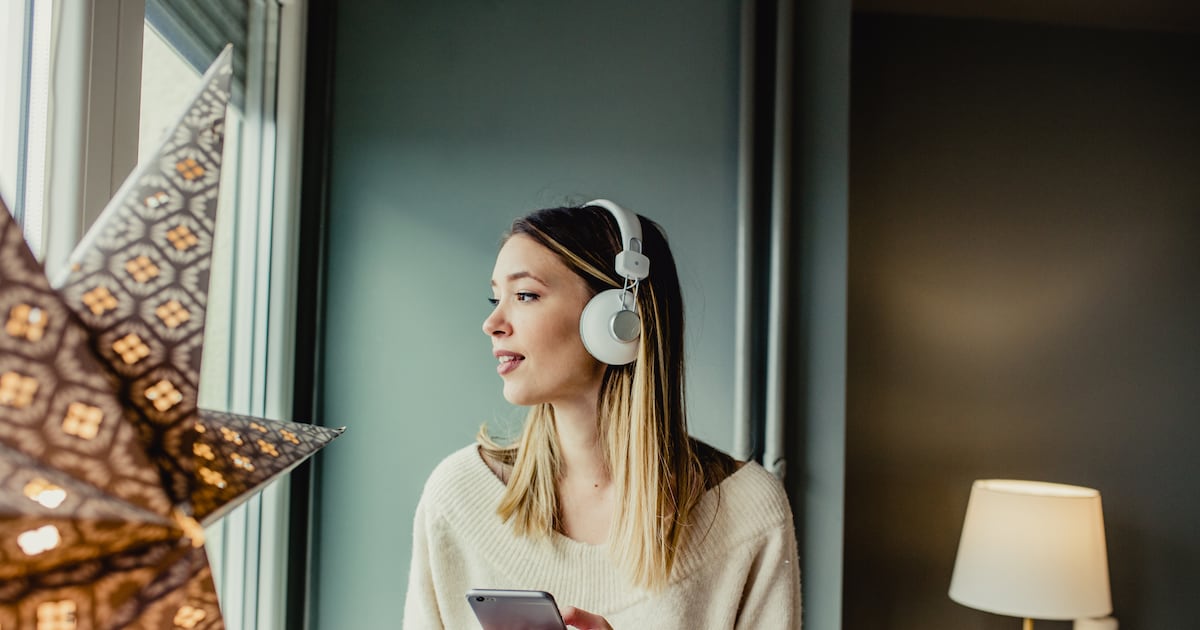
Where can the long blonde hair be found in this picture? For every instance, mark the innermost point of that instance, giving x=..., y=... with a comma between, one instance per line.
x=660, y=474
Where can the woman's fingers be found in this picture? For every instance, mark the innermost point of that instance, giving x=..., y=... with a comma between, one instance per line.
x=584, y=620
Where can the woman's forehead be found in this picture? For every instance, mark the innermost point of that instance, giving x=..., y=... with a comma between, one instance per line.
x=521, y=257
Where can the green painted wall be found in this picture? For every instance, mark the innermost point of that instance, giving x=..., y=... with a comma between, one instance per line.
x=451, y=118
x=816, y=383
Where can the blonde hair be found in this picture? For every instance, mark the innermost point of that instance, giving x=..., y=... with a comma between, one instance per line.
x=659, y=473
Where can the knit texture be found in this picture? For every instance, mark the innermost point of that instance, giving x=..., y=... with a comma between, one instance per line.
x=738, y=568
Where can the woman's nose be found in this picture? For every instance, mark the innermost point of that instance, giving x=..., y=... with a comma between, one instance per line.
x=496, y=325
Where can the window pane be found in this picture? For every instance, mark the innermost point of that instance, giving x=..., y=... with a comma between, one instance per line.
x=33, y=193
x=26, y=70
x=167, y=83
x=246, y=548
x=12, y=71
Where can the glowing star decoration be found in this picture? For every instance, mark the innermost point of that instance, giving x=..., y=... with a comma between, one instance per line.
x=108, y=469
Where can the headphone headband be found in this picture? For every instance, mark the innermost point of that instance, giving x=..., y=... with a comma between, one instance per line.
x=630, y=262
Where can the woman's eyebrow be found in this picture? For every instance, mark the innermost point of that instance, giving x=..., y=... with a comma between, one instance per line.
x=517, y=275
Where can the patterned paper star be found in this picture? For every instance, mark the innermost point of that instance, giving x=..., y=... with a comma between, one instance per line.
x=108, y=469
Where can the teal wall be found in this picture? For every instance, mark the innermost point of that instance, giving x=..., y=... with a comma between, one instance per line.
x=816, y=340
x=451, y=118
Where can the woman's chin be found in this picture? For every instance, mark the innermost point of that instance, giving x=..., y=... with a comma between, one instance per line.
x=515, y=396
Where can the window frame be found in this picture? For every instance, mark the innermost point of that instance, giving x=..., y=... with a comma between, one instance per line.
x=92, y=148
x=92, y=137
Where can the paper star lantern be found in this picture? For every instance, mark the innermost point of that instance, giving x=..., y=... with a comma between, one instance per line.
x=108, y=469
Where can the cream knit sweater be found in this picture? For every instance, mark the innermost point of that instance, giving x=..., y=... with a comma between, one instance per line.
x=742, y=572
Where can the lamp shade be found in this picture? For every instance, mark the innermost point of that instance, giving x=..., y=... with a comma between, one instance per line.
x=1033, y=549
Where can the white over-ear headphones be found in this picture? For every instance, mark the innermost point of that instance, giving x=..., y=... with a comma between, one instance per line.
x=610, y=325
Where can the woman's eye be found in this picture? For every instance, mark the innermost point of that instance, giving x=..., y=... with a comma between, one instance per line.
x=521, y=296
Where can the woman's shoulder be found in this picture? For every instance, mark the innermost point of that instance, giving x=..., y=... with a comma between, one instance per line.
x=461, y=459
x=757, y=484
x=462, y=470
x=748, y=509
x=751, y=497
x=458, y=504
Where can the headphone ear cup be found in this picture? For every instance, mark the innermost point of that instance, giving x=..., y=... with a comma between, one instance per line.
x=596, y=328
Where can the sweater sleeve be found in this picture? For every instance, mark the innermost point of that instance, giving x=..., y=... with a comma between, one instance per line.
x=420, y=603
x=771, y=598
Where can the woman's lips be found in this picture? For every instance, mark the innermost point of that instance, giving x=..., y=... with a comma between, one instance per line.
x=509, y=361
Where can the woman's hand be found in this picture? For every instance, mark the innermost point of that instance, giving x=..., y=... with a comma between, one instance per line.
x=583, y=619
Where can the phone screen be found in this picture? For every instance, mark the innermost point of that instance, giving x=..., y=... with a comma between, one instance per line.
x=502, y=609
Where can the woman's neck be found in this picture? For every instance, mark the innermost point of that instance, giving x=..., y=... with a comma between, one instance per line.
x=582, y=452
x=584, y=486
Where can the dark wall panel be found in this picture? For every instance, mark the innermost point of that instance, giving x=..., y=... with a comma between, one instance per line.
x=1024, y=244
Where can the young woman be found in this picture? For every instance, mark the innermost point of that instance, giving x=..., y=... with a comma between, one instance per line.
x=604, y=501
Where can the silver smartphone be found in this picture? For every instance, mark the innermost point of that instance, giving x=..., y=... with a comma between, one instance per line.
x=501, y=609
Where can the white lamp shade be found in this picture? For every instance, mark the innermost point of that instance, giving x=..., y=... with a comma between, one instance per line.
x=1033, y=549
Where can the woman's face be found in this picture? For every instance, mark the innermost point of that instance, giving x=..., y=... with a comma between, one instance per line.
x=534, y=328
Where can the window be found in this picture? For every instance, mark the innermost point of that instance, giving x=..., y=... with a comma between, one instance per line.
x=24, y=73
x=156, y=50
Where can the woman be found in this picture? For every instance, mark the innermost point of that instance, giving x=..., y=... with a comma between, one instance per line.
x=604, y=501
